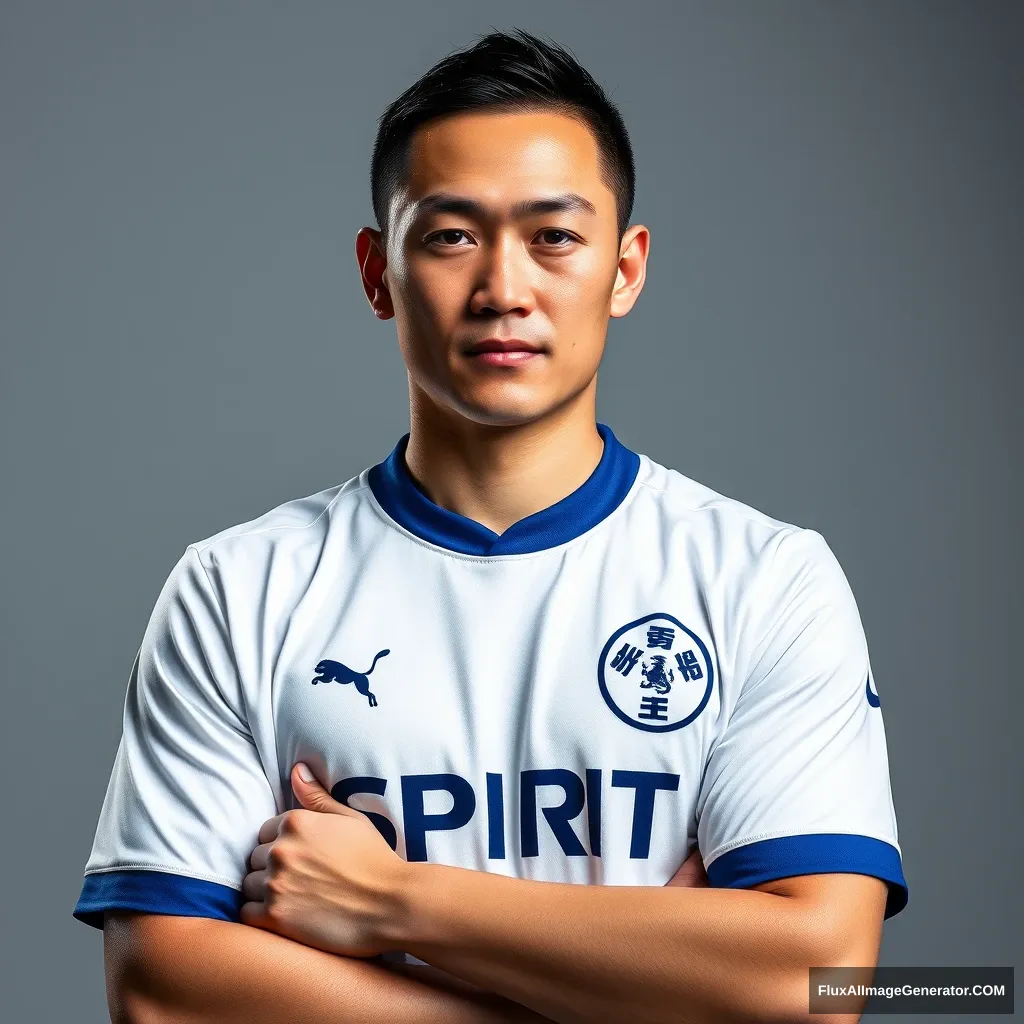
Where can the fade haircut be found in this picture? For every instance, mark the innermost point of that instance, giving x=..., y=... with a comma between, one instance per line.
x=512, y=72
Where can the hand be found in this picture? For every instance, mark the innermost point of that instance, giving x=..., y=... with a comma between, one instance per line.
x=691, y=874
x=324, y=876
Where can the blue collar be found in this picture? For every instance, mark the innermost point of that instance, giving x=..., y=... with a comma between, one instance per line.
x=596, y=498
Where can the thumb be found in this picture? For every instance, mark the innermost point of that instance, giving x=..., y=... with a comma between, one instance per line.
x=311, y=794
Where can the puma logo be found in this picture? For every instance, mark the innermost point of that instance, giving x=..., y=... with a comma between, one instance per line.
x=336, y=672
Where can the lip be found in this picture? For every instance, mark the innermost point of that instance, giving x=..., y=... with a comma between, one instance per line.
x=497, y=345
x=504, y=357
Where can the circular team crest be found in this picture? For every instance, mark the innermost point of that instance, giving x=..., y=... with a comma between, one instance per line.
x=655, y=674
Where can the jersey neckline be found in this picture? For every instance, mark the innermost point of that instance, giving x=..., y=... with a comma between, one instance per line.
x=595, y=499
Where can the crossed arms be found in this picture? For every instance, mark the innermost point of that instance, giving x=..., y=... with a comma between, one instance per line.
x=509, y=949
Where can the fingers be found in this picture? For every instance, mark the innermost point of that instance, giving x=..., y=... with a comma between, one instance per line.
x=260, y=856
x=254, y=886
x=270, y=828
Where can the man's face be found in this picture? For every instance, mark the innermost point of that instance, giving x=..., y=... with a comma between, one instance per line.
x=457, y=275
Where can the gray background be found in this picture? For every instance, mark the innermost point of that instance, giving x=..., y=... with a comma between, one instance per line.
x=830, y=332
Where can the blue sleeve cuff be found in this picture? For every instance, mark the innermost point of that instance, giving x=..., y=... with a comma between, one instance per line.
x=820, y=853
x=155, y=892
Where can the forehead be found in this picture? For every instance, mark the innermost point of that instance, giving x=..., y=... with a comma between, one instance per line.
x=499, y=157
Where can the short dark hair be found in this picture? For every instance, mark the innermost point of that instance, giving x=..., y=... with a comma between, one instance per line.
x=513, y=71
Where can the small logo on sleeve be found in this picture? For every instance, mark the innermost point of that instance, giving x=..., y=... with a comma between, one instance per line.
x=873, y=699
x=655, y=673
x=335, y=672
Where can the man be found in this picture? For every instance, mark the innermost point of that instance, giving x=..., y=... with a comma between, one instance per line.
x=532, y=672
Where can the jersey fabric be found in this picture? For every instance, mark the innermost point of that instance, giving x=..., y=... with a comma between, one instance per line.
x=643, y=666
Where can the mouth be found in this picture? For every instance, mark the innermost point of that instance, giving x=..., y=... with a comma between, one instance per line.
x=494, y=352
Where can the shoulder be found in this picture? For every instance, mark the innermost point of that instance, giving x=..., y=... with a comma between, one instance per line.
x=721, y=527
x=252, y=576
x=754, y=563
x=685, y=497
x=297, y=529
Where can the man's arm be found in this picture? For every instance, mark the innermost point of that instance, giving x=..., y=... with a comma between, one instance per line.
x=162, y=968
x=580, y=953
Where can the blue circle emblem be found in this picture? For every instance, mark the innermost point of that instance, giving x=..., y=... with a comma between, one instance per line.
x=655, y=674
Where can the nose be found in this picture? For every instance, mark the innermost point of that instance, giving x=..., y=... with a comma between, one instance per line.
x=505, y=284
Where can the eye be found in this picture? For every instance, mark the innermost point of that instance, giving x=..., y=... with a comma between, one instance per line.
x=559, y=231
x=437, y=235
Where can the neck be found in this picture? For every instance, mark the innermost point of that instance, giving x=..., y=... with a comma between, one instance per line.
x=497, y=475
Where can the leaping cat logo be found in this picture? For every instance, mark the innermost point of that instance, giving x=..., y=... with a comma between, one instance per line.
x=336, y=672
x=656, y=676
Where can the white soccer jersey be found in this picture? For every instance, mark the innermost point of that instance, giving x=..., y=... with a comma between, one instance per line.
x=643, y=666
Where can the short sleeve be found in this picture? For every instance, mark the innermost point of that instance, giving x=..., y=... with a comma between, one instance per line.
x=798, y=782
x=188, y=790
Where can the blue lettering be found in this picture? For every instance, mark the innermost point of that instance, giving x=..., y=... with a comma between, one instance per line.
x=418, y=823
x=341, y=791
x=558, y=817
x=646, y=785
x=495, y=817
x=594, y=810
x=578, y=794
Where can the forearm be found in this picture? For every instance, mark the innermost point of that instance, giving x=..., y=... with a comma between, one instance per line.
x=612, y=953
x=198, y=970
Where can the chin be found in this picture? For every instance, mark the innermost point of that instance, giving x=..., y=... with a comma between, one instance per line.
x=506, y=413
x=501, y=405
x=497, y=404
x=500, y=417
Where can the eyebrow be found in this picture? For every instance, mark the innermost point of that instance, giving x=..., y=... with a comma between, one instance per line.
x=448, y=202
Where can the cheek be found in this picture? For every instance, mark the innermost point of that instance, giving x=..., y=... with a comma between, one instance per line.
x=424, y=313
x=578, y=311
x=432, y=304
x=583, y=289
